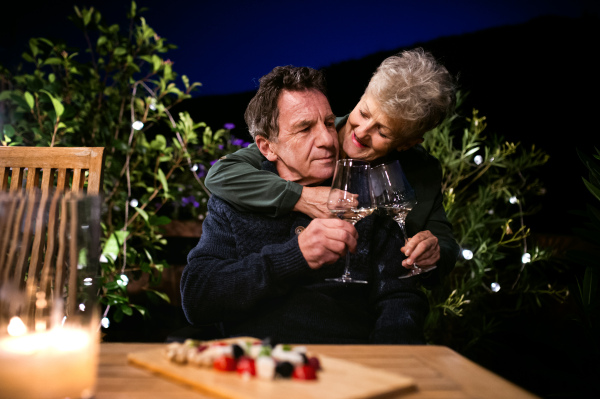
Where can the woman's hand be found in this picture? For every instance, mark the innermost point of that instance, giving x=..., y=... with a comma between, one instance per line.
x=313, y=202
x=422, y=249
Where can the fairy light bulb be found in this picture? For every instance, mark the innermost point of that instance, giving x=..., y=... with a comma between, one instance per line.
x=123, y=281
x=134, y=203
x=467, y=254
x=478, y=160
x=137, y=125
x=105, y=322
x=513, y=200
x=495, y=286
x=526, y=258
x=16, y=327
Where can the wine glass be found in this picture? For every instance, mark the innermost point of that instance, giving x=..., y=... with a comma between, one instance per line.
x=351, y=200
x=394, y=194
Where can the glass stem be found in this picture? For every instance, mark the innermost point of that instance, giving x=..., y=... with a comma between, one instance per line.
x=402, y=227
x=347, y=269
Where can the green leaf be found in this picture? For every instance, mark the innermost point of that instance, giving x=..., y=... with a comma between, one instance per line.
x=161, y=295
x=28, y=57
x=593, y=189
x=112, y=247
x=159, y=220
x=140, y=309
x=29, y=98
x=58, y=107
x=126, y=309
x=163, y=180
x=120, y=51
x=133, y=9
x=53, y=61
x=142, y=212
x=156, y=62
x=118, y=315
x=5, y=95
x=101, y=40
x=87, y=16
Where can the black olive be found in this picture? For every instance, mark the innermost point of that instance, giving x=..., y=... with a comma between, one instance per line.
x=304, y=358
x=284, y=369
x=237, y=350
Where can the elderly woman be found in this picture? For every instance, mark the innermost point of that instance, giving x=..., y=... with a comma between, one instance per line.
x=408, y=95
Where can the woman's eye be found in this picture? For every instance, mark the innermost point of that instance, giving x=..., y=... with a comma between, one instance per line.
x=363, y=114
x=383, y=135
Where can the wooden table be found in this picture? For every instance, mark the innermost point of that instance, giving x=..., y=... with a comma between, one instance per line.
x=439, y=373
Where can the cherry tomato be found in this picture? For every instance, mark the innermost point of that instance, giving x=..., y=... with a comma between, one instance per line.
x=224, y=363
x=304, y=372
x=246, y=365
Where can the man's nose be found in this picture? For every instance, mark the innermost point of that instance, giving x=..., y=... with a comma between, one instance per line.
x=325, y=137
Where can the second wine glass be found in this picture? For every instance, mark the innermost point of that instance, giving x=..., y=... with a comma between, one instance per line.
x=351, y=200
x=394, y=194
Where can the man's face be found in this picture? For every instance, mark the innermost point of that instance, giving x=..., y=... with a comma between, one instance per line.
x=307, y=147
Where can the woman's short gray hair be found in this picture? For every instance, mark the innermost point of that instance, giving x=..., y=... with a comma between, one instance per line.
x=413, y=88
x=262, y=113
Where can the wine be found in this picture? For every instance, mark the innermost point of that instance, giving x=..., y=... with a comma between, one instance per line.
x=352, y=215
x=397, y=212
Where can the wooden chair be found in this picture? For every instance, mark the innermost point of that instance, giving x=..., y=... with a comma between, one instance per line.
x=61, y=167
x=43, y=196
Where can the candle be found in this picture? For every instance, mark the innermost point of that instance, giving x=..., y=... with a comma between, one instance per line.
x=55, y=364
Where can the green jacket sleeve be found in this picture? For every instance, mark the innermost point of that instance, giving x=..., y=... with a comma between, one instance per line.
x=239, y=179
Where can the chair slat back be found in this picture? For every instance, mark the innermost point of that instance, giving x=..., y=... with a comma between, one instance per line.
x=41, y=248
x=45, y=168
x=38, y=248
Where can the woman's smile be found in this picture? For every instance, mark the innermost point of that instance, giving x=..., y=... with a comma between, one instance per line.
x=357, y=142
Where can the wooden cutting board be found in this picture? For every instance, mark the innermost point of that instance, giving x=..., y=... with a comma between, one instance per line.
x=339, y=379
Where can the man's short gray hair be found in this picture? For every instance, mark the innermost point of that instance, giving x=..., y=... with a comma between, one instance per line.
x=262, y=113
x=413, y=88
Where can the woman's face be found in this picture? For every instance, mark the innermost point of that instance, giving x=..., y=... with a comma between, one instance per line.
x=369, y=133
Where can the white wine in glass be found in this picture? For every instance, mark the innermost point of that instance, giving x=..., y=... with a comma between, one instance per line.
x=396, y=197
x=351, y=199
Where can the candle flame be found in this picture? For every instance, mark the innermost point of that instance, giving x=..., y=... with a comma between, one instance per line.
x=16, y=327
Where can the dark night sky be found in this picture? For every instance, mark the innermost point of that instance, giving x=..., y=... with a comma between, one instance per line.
x=228, y=45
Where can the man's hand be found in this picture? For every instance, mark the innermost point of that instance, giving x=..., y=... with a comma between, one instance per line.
x=325, y=241
x=422, y=249
x=313, y=202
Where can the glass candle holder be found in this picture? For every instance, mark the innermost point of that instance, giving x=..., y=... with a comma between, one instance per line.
x=49, y=282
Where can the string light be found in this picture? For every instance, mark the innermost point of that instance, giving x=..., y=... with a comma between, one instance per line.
x=134, y=203
x=495, y=287
x=478, y=159
x=513, y=200
x=105, y=322
x=137, y=125
x=194, y=167
x=82, y=307
x=124, y=280
x=467, y=254
x=526, y=258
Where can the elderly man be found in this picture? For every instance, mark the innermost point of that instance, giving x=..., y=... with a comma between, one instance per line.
x=266, y=277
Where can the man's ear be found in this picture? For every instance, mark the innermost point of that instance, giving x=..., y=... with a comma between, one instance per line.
x=266, y=148
x=409, y=144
